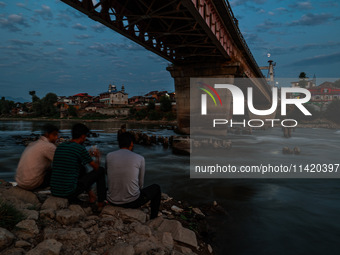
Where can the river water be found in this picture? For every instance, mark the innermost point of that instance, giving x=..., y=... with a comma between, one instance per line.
x=265, y=216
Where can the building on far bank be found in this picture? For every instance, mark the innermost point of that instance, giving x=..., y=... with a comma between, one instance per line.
x=113, y=97
x=323, y=94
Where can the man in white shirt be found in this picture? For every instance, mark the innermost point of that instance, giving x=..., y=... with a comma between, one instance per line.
x=125, y=178
x=34, y=168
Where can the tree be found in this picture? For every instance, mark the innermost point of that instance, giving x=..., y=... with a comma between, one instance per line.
x=6, y=106
x=337, y=83
x=72, y=111
x=165, y=102
x=303, y=80
x=48, y=104
x=151, y=106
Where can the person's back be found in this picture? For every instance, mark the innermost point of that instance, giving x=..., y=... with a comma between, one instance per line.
x=125, y=171
x=125, y=177
x=68, y=158
x=34, y=167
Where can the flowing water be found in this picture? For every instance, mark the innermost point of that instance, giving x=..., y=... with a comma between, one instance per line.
x=265, y=216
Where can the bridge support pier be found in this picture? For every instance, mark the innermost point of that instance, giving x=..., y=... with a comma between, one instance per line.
x=182, y=74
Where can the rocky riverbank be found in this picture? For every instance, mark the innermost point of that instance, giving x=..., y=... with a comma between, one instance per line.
x=50, y=225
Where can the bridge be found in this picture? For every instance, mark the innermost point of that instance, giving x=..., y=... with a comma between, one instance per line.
x=201, y=38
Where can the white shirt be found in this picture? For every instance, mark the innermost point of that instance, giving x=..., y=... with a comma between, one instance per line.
x=34, y=161
x=125, y=176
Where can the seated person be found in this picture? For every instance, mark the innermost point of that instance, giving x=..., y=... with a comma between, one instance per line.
x=69, y=178
x=125, y=177
x=34, y=168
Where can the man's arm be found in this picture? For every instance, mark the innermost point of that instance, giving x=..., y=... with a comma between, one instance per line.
x=141, y=173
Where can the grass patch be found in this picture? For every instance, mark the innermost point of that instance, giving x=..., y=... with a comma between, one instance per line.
x=9, y=215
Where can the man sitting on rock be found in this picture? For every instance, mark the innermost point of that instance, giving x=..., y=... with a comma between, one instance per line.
x=69, y=178
x=125, y=177
x=34, y=168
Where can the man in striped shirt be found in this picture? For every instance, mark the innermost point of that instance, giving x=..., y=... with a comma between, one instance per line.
x=69, y=178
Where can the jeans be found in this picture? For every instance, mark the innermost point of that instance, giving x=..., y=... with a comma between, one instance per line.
x=85, y=182
x=153, y=193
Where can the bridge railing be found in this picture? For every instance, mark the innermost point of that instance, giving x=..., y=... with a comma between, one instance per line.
x=235, y=21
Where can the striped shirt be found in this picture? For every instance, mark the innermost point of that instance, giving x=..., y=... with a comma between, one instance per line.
x=67, y=161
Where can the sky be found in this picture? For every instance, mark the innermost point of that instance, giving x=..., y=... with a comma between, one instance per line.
x=48, y=46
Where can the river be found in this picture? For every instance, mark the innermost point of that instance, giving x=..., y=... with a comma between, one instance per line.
x=265, y=216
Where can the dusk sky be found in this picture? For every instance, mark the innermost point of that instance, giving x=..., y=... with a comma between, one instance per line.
x=47, y=46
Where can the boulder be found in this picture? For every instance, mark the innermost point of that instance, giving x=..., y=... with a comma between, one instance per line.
x=73, y=235
x=184, y=250
x=55, y=203
x=167, y=240
x=121, y=249
x=47, y=247
x=31, y=214
x=142, y=230
x=78, y=209
x=27, y=229
x=22, y=244
x=67, y=217
x=47, y=214
x=26, y=197
x=6, y=238
x=125, y=214
x=179, y=233
x=145, y=246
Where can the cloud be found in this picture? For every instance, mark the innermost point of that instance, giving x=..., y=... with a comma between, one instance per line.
x=45, y=12
x=22, y=5
x=12, y=22
x=79, y=26
x=2, y=4
x=74, y=43
x=21, y=42
x=48, y=43
x=84, y=36
x=301, y=6
x=318, y=60
x=36, y=34
x=267, y=25
x=241, y=2
x=98, y=27
x=311, y=19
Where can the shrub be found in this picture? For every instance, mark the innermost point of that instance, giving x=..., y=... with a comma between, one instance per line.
x=141, y=114
x=154, y=115
x=9, y=215
x=332, y=112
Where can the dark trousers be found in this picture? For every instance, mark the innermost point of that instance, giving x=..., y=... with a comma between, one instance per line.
x=86, y=180
x=153, y=193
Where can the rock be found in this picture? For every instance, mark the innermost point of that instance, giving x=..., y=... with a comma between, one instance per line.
x=167, y=240
x=22, y=244
x=88, y=224
x=155, y=223
x=78, y=209
x=176, y=209
x=27, y=229
x=125, y=214
x=210, y=248
x=47, y=214
x=198, y=212
x=74, y=235
x=183, y=250
x=22, y=195
x=146, y=246
x=121, y=249
x=14, y=251
x=67, y=217
x=47, y=247
x=297, y=150
x=55, y=203
x=31, y=214
x=143, y=230
x=6, y=238
x=179, y=233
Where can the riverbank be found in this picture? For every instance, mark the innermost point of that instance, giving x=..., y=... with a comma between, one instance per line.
x=119, y=120
x=49, y=225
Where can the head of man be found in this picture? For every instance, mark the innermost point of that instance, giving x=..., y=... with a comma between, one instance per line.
x=51, y=132
x=80, y=132
x=125, y=141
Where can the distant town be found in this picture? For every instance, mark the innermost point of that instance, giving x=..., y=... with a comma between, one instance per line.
x=114, y=102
